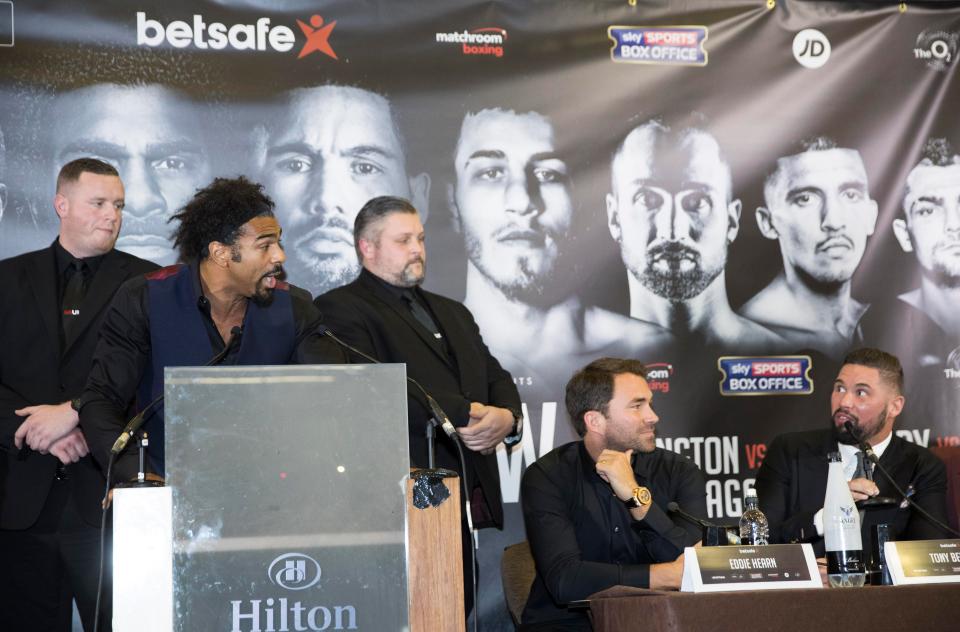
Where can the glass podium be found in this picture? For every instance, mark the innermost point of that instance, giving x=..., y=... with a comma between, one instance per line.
x=288, y=498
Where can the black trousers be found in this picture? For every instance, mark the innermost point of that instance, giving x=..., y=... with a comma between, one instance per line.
x=50, y=564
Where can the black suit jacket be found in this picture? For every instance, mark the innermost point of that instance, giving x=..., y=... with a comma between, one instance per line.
x=792, y=482
x=366, y=315
x=35, y=370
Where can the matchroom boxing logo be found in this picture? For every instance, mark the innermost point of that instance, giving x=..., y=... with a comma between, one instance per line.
x=658, y=376
x=260, y=36
x=489, y=40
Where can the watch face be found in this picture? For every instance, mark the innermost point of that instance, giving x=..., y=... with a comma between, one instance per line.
x=643, y=495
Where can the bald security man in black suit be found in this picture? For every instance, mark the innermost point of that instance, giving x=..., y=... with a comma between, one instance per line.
x=51, y=305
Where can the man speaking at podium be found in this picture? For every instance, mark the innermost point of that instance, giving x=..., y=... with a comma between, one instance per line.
x=229, y=299
x=385, y=314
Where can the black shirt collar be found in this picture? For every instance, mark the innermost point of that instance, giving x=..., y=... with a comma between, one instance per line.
x=64, y=259
x=203, y=303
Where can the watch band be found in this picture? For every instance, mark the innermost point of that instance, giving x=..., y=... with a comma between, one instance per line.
x=517, y=433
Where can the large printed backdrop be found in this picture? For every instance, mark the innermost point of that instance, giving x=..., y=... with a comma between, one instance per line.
x=676, y=183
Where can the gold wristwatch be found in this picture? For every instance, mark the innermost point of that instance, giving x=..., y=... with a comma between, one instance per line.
x=640, y=498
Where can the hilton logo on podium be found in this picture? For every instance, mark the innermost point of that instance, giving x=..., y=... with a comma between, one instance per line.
x=294, y=571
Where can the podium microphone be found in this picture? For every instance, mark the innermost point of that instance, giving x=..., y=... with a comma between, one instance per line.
x=673, y=507
x=134, y=424
x=713, y=534
x=863, y=445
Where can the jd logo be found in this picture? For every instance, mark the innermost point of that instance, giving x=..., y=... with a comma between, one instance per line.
x=811, y=48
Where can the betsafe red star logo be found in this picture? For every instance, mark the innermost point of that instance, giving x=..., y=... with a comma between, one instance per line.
x=259, y=35
x=318, y=37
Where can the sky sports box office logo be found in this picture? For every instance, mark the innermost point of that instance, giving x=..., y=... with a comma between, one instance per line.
x=666, y=45
x=765, y=375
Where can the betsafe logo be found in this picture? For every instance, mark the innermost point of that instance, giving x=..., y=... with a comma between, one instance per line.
x=259, y=36
x=811, y=48
x=294, y=571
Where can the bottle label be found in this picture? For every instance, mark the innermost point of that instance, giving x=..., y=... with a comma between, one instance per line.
x=844, y=562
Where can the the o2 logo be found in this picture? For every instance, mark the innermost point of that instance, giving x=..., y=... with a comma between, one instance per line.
x=937, y=49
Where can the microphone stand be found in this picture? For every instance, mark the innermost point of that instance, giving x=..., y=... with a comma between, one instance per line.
x=141, y=480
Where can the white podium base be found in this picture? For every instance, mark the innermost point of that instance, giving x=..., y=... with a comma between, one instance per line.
x=143, y=560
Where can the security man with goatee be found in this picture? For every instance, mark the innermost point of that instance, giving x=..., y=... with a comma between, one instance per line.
x=387, y=315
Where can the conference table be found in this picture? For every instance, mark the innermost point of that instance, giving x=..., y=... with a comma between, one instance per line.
x=926, y=608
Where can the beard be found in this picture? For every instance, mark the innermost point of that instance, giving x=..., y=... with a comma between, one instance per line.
x=529, y=282
x=638, y=443
x=865, y=432
x=322, y=274
x=263, y=296
x=945, y=273
x=827, y=284
x=676, y=282
x=409, y=278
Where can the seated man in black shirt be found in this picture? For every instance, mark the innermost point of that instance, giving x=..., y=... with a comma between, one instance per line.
x=594, y=508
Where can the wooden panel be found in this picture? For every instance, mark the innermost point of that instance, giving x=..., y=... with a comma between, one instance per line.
x=435, y=569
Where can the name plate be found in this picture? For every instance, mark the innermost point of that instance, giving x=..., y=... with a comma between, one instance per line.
x=923, y=561
x=727, y=568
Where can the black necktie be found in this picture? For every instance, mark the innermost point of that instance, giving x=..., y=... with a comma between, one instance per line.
x=421, y=314
x=73, y=295
x=864, y=467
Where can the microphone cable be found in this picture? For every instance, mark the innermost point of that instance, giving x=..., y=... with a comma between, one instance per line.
x=103, y=538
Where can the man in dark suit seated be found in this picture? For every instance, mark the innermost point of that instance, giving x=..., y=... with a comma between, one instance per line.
x=385, y=314
x=792, y=481
x=52, y=304
x=594, y=509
